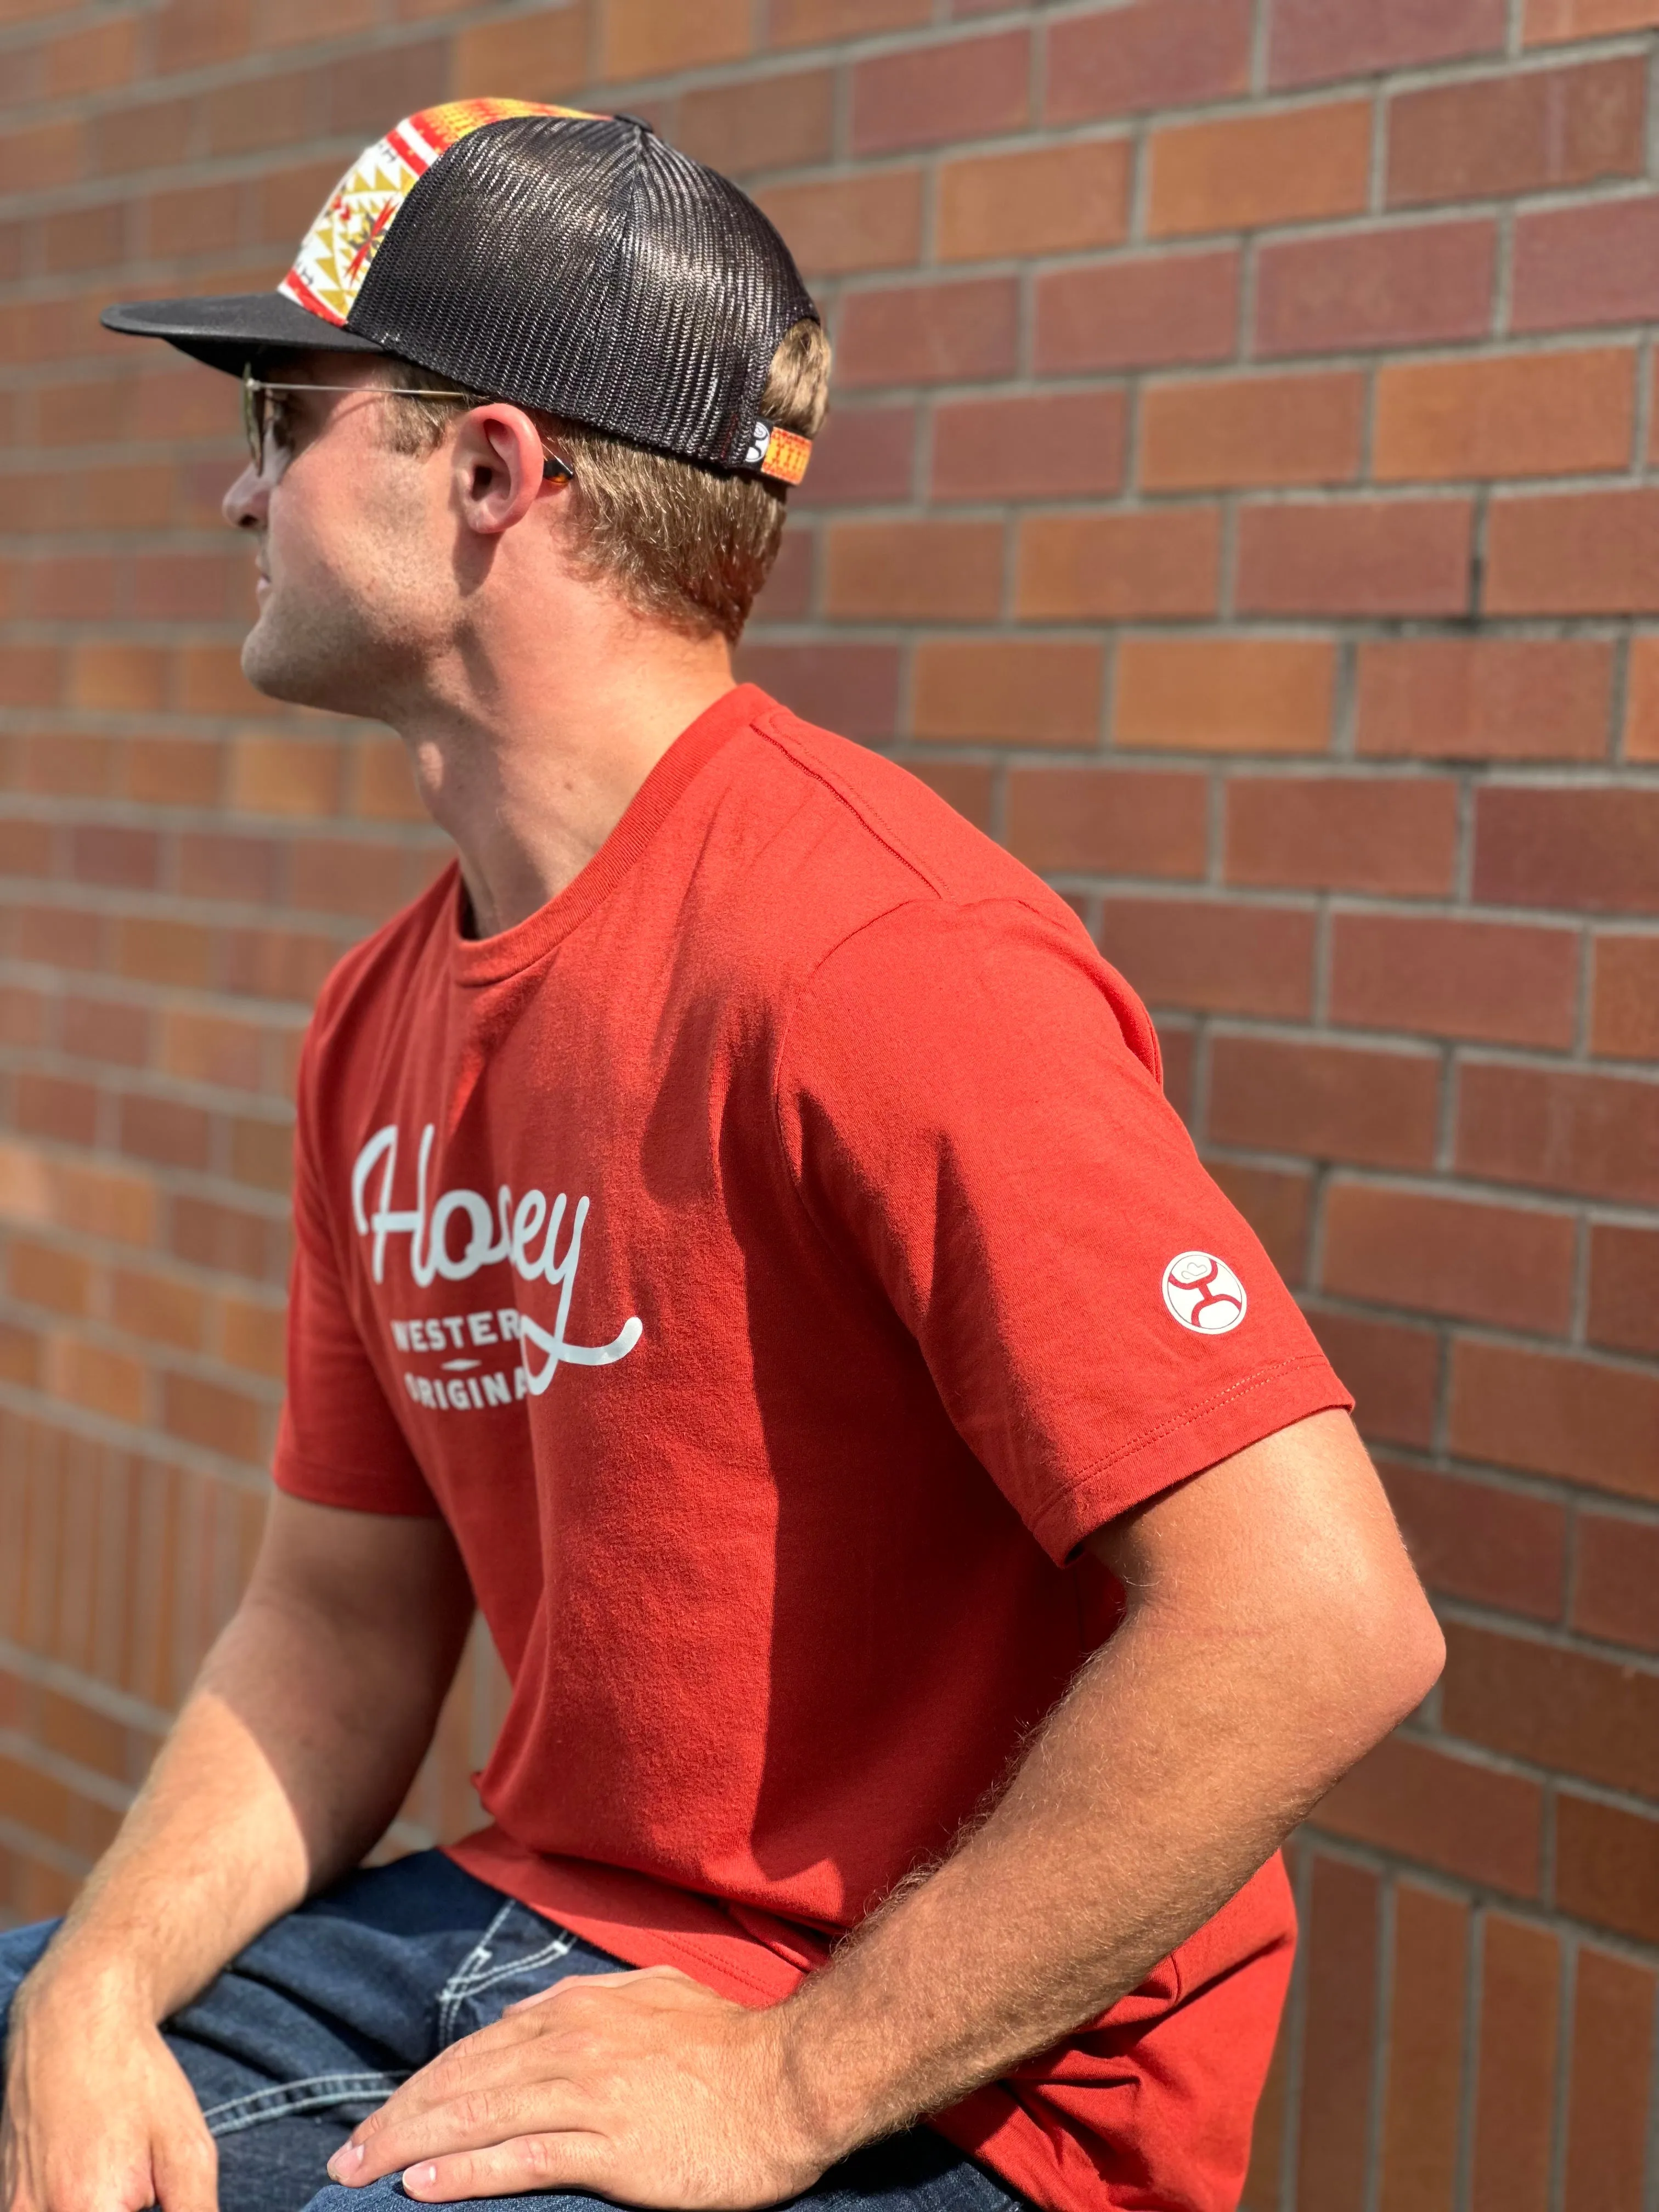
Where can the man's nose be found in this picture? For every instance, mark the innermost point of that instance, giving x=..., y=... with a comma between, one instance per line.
x=245, y=505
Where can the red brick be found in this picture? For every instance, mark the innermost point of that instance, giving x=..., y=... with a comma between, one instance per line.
x=346, y=875
x=852, y=688
x=932, y=94
x=1324, y=1101
x=770, y=123
x=1615, y=1588
x=1559, y=1130
x=1064, y=445
x=1592, y=850
x=1607, y=2096
x=206, y=1413
x=224, y=866
x=1390, y=1370
x=787, y=596
x=1514, y=2101
x=1314, y=40
x=1642, y=707
x=1574, y=553
x=104, y=1029
x=1355, y=557
x=1503, y=981
x=1215, y=956
x=1344, y=833
x=1607, y=1866
x=861, y=456
x=1475, y=1541
x=1494, y=698
x=1393, y=1371
x=51, y=1106
x=1512, y=1266
x=1577, y=266
x=861, y=222
x=1624, y=1288
x=1553, y=23
x=1296, y=165
x=191, y=34
x=1108, y=821
x=93, y=58
x=1624, y=1010
x=1082, y=568
x=165, y=1132
x=1053, y=199
x=107, y=853
x=809, y=22
x=231, y=1239
x=1247, y=695
x=1533, y=131
x=540, y=55
x=1152, y=53
x=1150, y=311
x=84, y=238
x=1007, y=691
x=1519, y=415
x=1221, y=433
x=962, y=784
x=30, y=674
x=929, y=333
x=913, y=571
x=158, y=1308
x=1420, y=284
x=1338, y=2039
x=1583, y=1419
x=1443, y=1812
x=42, y=1276
x=1555, y=1707
x=1276, y=1204
x=1419, y=2150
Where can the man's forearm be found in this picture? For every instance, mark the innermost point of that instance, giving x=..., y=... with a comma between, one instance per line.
x=1231, y=1699
x=293, y=1753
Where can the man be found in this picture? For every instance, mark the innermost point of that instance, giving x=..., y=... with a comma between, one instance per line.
x=742, y=1244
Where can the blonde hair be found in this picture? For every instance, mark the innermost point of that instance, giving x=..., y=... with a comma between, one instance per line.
x=689, y=544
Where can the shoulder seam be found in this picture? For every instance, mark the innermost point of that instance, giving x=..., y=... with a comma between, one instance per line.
x=768, y=726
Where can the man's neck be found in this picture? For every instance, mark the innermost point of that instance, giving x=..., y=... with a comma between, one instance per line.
x=529, y=758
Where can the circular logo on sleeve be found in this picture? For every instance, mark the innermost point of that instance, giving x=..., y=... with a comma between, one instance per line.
x=1203, y=1293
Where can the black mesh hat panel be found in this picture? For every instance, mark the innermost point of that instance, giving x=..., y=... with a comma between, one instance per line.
x=583, y=266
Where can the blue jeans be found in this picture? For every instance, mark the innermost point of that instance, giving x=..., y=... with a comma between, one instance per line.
x=322, y=2017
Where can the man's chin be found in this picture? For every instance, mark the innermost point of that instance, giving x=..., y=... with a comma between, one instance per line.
x=298, y=674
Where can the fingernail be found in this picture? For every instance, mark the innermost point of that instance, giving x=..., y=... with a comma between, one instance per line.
x=420, y=2177
x=346, y=2160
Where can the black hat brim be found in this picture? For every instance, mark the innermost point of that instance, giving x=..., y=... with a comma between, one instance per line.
x=230, y=332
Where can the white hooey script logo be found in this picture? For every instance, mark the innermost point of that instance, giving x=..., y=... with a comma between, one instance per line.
x=509, y=1232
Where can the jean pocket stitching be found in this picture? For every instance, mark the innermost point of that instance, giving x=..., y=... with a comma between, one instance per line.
x=313, y=2093
x=458, y=1992
x=478, y=1959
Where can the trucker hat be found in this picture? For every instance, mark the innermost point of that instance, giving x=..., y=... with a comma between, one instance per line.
x=566, y=261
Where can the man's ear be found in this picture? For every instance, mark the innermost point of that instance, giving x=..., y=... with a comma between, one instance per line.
x=496, y=463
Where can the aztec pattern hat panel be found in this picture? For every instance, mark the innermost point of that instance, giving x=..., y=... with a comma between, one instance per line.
x=569, y=261
x=335, y=254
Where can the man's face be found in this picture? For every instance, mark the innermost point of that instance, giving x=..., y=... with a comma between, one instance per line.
x=354, y=592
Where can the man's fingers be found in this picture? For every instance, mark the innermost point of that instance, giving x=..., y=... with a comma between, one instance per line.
x=186, y=2165
x=481, y=2120
x=576, y=2160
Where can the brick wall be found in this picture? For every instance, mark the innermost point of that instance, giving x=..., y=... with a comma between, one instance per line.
x=1238, y=500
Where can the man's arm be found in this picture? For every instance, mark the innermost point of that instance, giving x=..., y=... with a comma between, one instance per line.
x=304, y=1730
x=1274, y=1632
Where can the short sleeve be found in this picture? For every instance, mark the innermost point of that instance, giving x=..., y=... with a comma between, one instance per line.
x=967, y=1102
x=339, y=1442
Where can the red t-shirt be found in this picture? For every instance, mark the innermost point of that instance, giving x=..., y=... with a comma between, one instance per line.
x=762, y=1258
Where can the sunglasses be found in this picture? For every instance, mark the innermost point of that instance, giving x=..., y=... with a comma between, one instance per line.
x=256, y=414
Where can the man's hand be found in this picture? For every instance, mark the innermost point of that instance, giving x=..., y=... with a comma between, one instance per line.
x=98, y=2115
x=645, y=2087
